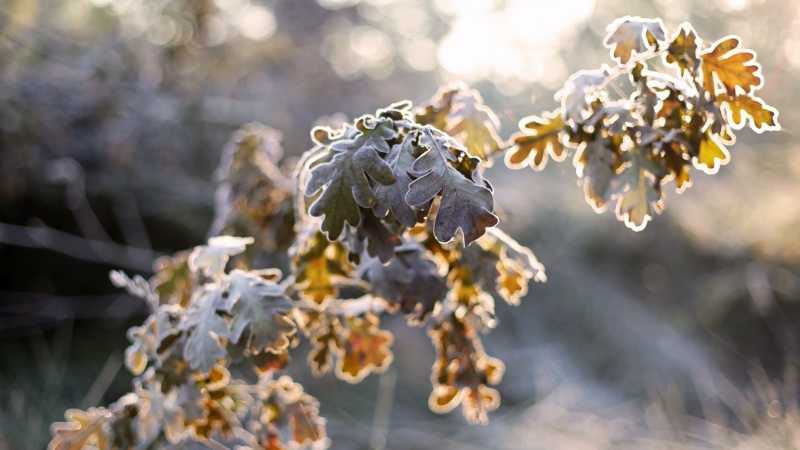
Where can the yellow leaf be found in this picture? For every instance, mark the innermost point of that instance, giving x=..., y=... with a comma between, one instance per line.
x=732, y=66
x=711, y=151
x=682, y=51
x=539, y=138
x=743, y=107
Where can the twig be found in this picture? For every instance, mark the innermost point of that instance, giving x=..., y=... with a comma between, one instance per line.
x=43, y=236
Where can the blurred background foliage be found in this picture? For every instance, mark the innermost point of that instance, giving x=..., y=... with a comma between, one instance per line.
x=113, y=116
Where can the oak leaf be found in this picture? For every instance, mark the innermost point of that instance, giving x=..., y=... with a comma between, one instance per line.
x=474, y=125
x=628, y=36
x=639, y=190
x=540, y=137
x=732, y=66
x=354, y=156
x=392, y=197
x=82, y=429
x=744, y=108
x=364, y=349
x=682, y=50
x=259, y=306
x=464, y=204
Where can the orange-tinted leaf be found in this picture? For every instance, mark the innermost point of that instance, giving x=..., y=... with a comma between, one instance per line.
x=732, y=66
x=365, y=349
x=539, y=138
x=629, y=36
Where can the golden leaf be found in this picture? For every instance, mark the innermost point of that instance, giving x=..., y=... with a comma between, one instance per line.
x=733, y=67
x=711, y=151
x=539, y=138
x=743, y=107
x=318, y=266
x=682, y=51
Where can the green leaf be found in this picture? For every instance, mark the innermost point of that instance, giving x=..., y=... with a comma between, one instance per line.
x=392, y=197
x=464, y=204
x=356, y=154
x=259, y=306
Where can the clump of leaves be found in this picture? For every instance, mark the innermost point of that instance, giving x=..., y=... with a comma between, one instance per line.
x=395, y=207
x=684, y=99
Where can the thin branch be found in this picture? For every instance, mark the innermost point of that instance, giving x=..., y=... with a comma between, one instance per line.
x=43, y=236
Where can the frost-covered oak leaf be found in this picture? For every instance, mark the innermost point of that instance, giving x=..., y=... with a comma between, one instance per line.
x=213, y=257
x=259, y=306
x=356, y=154
x=629, y=36
x=540, y=137
x=464, y=203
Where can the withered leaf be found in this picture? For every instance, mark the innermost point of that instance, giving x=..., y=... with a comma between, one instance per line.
x=539, y=138
x=732, y=66
x=435, y=112
x=682, y=51
x=744, y=108
x=629, y=36
x=260, y=307
x=174, y=281
x=364, y=349
x=392, y=197
x=356, y=154
x=474, y=125
x=327, y=342
x=464, y=204
x=289, y=416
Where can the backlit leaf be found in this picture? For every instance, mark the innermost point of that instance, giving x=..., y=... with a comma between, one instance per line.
x=213, y=257
x=639, y=193
x=744, y=108
x=596, y=162
x=539, y=138
x=319, y=266
x=629, y=36
x=464, y=204
x=474, y=125
x=364, y=349
x=81, y=430
x=578, y=92
x=682, y=51
x=354, y=155
x=732, y=66
x=711, y=155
